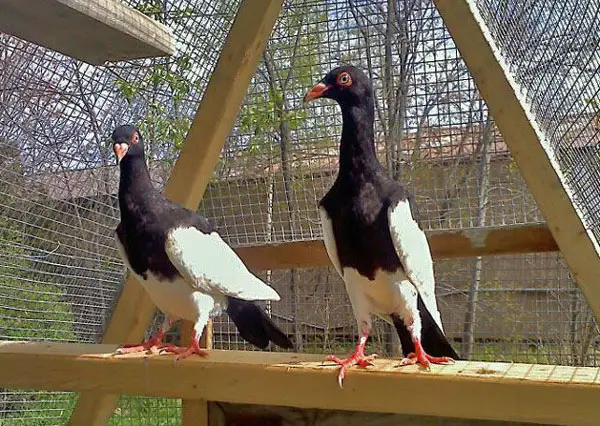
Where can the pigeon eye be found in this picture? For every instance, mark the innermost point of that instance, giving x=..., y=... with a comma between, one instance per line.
x=135, y=138
x=344, y=79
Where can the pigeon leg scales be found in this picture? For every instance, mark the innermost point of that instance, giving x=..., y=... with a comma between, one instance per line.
x=358, y=357
x=423, y=358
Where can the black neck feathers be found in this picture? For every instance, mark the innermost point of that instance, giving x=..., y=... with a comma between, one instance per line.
x=357, y=145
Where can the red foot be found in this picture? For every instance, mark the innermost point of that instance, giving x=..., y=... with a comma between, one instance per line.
x=182, y=353
x=358, y=357
x=155, y=343
x=423, y=358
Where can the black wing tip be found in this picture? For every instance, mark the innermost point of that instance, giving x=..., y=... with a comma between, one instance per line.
x=284, y=342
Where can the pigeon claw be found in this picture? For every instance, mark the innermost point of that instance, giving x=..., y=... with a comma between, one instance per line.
x=423, y=359
x=153, y=345
x=358, y=358
x=182, y=353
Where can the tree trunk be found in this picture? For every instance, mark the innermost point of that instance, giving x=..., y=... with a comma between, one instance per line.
x=477, y=268
x=281, y=109
x=270, y=184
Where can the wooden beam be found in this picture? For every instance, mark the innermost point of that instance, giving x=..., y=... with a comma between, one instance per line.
x=444, y=244
x=192, y=171
x=545, y=394
x=93, y=31
x=523, y=136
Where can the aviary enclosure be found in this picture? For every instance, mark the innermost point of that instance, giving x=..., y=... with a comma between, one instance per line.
x=60, y=274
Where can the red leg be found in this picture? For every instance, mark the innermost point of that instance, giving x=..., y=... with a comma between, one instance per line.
x=358, y=357
x=194, y=348
x=423, y=358
x=155, y=342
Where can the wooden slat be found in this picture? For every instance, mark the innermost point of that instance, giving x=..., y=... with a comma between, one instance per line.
x=93, y=31
x=192, y=172
x=477, y=390
x=443, y=244
x=524, y=138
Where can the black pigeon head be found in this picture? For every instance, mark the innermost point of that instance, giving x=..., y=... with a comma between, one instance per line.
x=127, y=143
x=348, y=85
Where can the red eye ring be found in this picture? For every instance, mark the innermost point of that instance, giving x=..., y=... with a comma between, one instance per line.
x=344, y=79
x=135, y=138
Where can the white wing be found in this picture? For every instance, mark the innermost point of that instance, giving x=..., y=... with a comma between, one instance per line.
x=329, y=240
x=211, y=266
x=413, y=250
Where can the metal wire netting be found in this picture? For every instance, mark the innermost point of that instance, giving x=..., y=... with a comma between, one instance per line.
x=432, y=129
x=59, y=268
x=528, y=309
x=553, y=50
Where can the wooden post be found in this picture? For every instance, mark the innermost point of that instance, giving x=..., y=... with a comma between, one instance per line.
x=192, y=172
x=194, y=412
x=523, y=136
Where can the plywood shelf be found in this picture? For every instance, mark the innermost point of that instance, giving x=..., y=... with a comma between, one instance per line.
x=479, y=390
x=93, y=31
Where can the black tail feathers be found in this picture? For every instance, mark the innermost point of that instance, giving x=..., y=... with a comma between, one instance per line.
x=254, y=324
x=433, y=339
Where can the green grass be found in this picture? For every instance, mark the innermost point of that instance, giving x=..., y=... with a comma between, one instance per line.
x=39, y=409
x=54, y=409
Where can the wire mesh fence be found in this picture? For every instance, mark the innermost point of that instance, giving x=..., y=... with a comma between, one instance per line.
x=59, y=269
x=552, y=49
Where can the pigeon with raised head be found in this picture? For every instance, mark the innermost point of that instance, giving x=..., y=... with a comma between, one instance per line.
x=181, y=261
x=372, y=235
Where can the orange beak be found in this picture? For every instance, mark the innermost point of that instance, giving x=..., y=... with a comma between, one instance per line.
x=120, y=150
x=317, y=91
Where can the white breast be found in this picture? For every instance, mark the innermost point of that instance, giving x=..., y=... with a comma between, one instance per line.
x=174, y=298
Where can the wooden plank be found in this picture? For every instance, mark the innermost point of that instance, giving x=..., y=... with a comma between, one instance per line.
x=93, y=31
x=192, y=171
x=444, y=244
x=524, y=138
x=513, y=392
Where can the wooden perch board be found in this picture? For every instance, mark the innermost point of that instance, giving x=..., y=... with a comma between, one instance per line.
x=545, y=394
x=93, y=31
x=444, y=244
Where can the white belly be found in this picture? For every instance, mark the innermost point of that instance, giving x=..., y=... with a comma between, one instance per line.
x=382, y=295
x=172, y=298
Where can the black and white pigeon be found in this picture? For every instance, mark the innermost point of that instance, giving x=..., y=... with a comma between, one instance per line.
x=372, y=236
x=185, y=267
